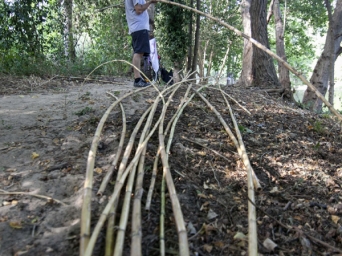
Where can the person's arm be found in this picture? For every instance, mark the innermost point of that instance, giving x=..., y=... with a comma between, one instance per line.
x=140, y=8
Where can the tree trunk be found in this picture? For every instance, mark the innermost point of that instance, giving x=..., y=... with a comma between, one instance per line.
x=332, y=54
x=264, y=73
x=151, y=11
x=69, y=36
x=189, y=59
x=176, y=71
x=320, y=75
x=197, y=37
x=284, y=74
x=201, y=58
x=246, y=77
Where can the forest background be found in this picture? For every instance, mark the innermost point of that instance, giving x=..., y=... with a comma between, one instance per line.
x=72, y=38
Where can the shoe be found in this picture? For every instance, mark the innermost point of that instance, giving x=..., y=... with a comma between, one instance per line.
x=141, y=83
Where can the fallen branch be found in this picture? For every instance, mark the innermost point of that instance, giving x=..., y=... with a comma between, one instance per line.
x=49, y=199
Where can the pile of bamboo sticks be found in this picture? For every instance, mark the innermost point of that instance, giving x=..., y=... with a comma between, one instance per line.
x=131, y=173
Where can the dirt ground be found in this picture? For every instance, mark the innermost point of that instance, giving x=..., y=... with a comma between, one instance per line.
x=47, y=127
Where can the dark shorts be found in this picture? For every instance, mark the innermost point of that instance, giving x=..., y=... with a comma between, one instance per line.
x=141, y=42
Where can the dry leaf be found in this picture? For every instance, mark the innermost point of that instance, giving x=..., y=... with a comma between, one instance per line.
x=15, y=224
x=208, y=247
x=34, y=155
x=211, y=214
x=5, y=203
x=335, y=218
x=274, y=190
x=98, y=170
x=191, y=229
x=219, y=244
x=269, y=244
x=240, y=236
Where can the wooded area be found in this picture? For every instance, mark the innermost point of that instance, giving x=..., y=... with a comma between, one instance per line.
x=51, y=38
x=222, y=161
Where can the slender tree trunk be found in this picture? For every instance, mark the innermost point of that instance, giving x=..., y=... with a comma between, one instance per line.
x=151, y=13
x=264, y=73
x=69, y=36
x=210, y=61
x=176, y=71
x=197, y=37
x=246, y=77
x=320, y=75
x=202, y=57
x=270, y=11
x=189, y=59
x=284, y=75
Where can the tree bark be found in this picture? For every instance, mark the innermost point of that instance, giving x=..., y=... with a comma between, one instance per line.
x=332, y=55
x=189, y=60
x=320, y=75
x=151, y=12
x=257, y=66
x=70, y=51
x=246, y=77
x=284, y=74
x=264, y=73
x=197, y=38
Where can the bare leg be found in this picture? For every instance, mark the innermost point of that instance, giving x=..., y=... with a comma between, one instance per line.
x=137, y=62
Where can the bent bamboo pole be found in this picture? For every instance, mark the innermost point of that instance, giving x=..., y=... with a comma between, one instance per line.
x=265, y=49
x=252, y=226
x=88, y=183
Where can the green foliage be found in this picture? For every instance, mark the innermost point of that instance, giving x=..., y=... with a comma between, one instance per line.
x=318, y=127
x=32, y=35
x=171, y=22
x=84, y=111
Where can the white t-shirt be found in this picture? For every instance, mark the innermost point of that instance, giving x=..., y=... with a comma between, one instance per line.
x=136, y=22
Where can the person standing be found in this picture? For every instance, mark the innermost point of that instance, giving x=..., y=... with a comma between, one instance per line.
x=138, y=25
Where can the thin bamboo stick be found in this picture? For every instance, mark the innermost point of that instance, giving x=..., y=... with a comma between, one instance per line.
x=265, y=49
x=88, y=183
x=109, y=174
x=106, y=211
x=252, y=223
x=123, y=164
x=155, y=164
x=235, y=101
x=136, y=213
x=243, y=156
x=162, y=218
x=125, y=210
x=181, y=230
x=4, y=192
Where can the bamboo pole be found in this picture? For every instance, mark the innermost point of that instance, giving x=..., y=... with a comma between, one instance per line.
x=88, y=183
x=106, y=211
x=252, y=223
x=123, y=164
x=109, y=174
x=155, y=164
x=49, y=199
x=181, y=230
x=265, y=49
x=243, y=156
x=121, y=233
